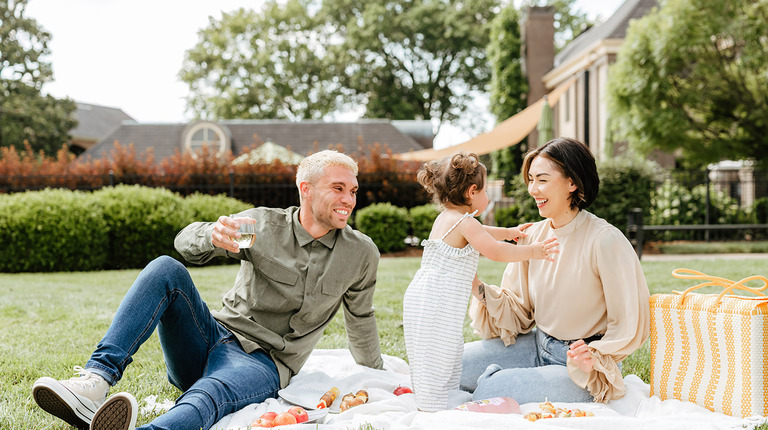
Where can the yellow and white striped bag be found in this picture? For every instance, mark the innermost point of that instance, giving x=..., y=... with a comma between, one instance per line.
x=712, y=349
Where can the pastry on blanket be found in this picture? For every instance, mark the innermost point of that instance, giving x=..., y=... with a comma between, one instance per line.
x=548, y=410
x=351, y=400
x=327, y=399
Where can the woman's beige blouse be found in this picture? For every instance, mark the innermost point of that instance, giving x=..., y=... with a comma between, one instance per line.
x=596, y=285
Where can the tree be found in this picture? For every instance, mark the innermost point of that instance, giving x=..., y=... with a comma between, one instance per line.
x=406, y=59
x=509, y=86
x=692, y=76
x=264, y=65
x=25, y=113
x=399, y=59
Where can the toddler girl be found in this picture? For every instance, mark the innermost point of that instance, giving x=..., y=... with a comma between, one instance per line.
x=436, y=301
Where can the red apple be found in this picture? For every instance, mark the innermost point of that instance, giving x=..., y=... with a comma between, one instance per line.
x=262, y=423
x=266, y=420
x=400, y=390
x=284, y=418
x=300, y=414
x=269, y=415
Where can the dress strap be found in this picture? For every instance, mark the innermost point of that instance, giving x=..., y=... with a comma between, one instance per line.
x=466, y=214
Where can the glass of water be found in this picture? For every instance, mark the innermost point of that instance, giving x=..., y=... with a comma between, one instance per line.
x=247, y=230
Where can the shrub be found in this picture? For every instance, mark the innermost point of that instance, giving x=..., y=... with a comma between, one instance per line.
x=385, y=224
x=422, y=218
x=512, y=216
x=52, y=230
x=203, y=207
x=625, y=183
x=142, y=223
x=672, y=204
x=760, y=210
x=524, y=208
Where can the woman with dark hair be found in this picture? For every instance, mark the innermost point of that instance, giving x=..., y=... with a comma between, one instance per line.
x=559, y=331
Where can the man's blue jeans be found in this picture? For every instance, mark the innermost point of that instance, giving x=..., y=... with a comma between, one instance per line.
x=530, y=370
x=203, y=358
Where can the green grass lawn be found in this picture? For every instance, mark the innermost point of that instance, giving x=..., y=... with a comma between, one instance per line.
x=52, y=322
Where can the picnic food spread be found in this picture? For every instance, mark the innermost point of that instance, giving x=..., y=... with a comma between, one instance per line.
x=550, y=411
x=294, y=415
x=327, y=399
x=351, y=400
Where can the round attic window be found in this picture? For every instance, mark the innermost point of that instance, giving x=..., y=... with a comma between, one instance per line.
x=206, y=134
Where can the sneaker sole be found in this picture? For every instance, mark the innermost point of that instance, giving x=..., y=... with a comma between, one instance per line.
x=117, y=413
x=58, y=401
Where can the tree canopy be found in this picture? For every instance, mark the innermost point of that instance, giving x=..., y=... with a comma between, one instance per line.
x=25, y=113
x=399, y=59
x=692, y=76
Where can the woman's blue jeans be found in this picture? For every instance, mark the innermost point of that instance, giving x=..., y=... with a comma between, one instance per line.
x=203, y=358
x=530, y=370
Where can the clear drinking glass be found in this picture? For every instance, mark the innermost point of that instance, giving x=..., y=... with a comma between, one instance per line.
x=247, y=230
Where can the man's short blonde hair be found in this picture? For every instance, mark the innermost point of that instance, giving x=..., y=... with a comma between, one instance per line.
x=312, y=167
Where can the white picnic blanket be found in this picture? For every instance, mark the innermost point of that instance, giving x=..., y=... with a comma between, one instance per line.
x=385, y=411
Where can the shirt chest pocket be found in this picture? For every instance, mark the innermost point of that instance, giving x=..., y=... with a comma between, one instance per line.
x=278, y=290
x=333, y=287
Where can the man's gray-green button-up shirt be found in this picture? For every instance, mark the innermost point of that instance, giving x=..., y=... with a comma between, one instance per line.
x=290, y=285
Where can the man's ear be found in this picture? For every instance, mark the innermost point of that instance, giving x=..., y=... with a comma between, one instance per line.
x=304, y=189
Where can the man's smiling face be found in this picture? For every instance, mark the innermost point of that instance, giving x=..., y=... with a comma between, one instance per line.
x=330, y=200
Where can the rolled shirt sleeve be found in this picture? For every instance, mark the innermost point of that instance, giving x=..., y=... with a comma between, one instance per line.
x=507, y=310
x=359, y=317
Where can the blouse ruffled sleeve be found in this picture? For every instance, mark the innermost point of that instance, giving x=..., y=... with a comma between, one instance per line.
x=507, y=310
x=628, y=313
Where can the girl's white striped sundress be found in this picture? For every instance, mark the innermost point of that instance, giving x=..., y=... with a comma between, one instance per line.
x=434, y=308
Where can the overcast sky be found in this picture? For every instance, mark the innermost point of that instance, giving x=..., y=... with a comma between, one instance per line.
x=127, y=54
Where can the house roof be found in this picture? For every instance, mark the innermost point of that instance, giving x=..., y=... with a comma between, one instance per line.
x=95, y=121
x=300, y=137
x=614, y=27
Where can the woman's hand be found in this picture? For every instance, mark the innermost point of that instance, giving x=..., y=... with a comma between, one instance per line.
x=515, y=233
x=581, y=356
x=223, y=232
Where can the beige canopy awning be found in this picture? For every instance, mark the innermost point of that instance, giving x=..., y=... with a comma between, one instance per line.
x=508, y=133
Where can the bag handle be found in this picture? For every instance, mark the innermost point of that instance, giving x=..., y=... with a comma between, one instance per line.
x=727, y=284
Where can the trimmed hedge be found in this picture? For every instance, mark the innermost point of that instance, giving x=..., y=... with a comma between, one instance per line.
x=142, y=223
x=422, y=218
x=52, y=230
x=386, y=224
x=121, y=227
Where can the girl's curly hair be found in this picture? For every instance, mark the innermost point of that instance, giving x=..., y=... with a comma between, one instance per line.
x=447, y=180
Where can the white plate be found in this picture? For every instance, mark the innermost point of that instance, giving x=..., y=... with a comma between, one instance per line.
x=307, y=390
x=316, y=415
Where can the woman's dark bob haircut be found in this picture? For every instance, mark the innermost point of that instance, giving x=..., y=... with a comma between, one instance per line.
x=576, y=162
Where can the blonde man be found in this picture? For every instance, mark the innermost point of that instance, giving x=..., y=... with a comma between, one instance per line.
x=305, y=264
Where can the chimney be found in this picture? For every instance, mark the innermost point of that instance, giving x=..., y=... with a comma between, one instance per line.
x=538, y=42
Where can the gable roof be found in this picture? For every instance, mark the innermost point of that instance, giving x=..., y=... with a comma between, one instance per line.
x=614, y=27
x=300, y=137
x=95, y=121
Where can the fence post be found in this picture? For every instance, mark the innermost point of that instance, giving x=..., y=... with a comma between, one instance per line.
x=635, y=230
x=706, y=212
x=231, y=183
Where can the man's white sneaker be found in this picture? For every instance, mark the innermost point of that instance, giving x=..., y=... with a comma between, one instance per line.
x=119, y=412
x=74, y=400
